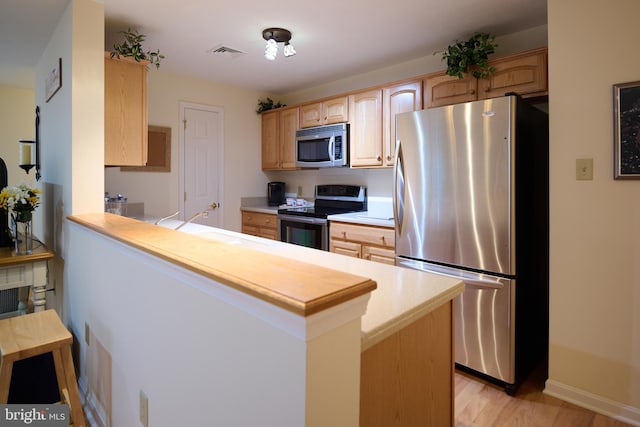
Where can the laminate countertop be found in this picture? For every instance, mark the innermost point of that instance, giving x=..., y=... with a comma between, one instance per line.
x=323, y=280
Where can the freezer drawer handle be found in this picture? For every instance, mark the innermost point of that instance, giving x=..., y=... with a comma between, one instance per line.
x=483, y=284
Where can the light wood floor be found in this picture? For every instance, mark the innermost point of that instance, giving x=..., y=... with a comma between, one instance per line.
x=482, y=404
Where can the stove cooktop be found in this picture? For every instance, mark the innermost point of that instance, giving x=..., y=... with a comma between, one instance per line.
x=330, y=200
x=316, y=212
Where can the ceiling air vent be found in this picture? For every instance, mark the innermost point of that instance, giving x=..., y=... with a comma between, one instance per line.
x=225, y=51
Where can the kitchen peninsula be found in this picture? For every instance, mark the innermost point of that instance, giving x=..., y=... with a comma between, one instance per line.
x=238, y=330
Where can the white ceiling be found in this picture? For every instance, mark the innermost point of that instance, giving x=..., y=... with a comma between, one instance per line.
x=333, y=38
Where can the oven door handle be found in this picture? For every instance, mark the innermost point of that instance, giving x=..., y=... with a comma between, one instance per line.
x=302, y=219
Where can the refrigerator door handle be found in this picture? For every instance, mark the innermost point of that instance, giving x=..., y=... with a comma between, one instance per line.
x=398, y=186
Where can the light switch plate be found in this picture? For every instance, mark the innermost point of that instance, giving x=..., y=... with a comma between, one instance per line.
x=584, y=169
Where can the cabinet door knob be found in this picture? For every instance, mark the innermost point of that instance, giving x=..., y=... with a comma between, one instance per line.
x=214, y=205
x=378, y=157
x=472, y=91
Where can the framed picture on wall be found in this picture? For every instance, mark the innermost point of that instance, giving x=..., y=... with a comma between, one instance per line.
x=626, y=128
x=53, y=82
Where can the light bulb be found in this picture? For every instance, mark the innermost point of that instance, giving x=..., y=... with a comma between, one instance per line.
x=271, y=50
x=289, y=50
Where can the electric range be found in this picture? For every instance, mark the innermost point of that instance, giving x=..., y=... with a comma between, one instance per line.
x=308, y=225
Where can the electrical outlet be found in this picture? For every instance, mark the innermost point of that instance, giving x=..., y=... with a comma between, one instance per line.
x=144, y=409
x=87, y=332
x=584, y=169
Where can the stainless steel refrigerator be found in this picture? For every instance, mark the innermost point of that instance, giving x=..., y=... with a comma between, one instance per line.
x=471, y=201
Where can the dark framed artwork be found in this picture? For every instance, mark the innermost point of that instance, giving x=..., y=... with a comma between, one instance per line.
x=158, y=151
x=626, y=129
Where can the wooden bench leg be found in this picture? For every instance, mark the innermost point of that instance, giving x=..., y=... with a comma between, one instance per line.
x=6, y=367
x=67, y=384
x=77, y=415
x=57, y=363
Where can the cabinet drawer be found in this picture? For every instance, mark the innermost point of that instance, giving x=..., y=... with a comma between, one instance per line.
x=374, y=253
x=380, y=236
x=259, y=219
x=250, y=229
x=268, y=233
x=346, y=248
x=13, y=277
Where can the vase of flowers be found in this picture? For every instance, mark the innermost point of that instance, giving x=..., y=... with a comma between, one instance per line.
x=20, y=202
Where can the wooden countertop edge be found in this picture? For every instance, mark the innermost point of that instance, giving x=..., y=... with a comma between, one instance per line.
x=125, y=230
x=8, y=258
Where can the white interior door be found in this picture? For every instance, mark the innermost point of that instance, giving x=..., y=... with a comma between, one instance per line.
x=203, y=163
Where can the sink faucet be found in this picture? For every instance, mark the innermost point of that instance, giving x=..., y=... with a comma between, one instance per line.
x=166, y=217
x=198, y=214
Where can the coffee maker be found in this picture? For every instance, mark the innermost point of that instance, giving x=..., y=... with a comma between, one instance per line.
x=275, y=193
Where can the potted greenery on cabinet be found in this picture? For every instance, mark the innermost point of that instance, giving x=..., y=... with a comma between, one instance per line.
x=470, y=56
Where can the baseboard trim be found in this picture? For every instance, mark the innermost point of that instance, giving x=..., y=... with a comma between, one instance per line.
x=93, y=411
x=593, y=402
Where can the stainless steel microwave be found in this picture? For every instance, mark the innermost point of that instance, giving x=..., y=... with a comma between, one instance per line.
x=323, y=146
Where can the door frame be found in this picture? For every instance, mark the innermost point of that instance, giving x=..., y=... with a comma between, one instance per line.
x=220, y=155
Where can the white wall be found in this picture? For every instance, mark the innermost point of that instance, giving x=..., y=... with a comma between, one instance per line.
x=242, y=175
x=17, y=121
x=595, y=237
x=72, y=143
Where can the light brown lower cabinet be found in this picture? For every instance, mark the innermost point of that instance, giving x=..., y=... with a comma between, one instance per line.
x=407, y=380
x=260, y=224
x=363, y=241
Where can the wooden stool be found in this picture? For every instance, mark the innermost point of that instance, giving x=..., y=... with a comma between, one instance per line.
x=33, y=334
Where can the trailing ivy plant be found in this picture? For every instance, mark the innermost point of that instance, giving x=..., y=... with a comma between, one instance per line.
x=470, y=56
x=132, y=47
x=268, y=104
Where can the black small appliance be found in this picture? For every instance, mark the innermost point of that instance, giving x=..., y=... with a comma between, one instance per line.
x=275, y=193
x=5, y=238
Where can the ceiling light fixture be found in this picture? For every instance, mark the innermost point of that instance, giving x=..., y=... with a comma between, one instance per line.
x=273, y=36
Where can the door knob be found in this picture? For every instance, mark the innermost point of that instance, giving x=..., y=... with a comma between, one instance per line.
x=213, y=205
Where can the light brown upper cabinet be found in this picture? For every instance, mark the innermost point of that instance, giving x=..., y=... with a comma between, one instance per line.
x=441, y=89
x=400, y=98
x=125, y=112
x=329, y=111
x=524, y=73
x=279, y=138
x=365, y=117
x=270, y=140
